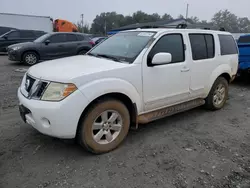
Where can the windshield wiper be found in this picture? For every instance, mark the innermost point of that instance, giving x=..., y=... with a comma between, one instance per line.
x=105, y=56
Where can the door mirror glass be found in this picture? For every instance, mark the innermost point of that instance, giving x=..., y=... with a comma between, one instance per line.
x=161, y=58
x=47, y=42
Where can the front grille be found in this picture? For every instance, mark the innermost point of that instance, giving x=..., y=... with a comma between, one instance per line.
x=35, y=87
x=41, y=89
x=29, y=83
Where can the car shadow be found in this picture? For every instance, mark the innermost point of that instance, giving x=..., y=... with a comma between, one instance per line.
x=64, y=147
x=242, y=82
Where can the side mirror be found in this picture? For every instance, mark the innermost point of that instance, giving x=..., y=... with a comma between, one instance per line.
x=47, y=42
x=5, y=37
x=161, y=58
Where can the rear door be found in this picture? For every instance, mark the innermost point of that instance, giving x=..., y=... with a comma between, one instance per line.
x=27, y=36
x=202, y=48
x=71, y=44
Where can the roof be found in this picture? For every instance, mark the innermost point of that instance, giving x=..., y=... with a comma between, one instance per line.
x=137, y=25
x=25, y=15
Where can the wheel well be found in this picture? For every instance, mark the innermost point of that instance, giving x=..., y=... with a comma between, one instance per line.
x=226, y=76
x=118, y=96
x=31, y=51
x=81, y=49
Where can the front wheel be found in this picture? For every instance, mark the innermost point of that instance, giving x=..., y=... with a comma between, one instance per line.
x=104, y=126
x=218, y=95
x=30, y=58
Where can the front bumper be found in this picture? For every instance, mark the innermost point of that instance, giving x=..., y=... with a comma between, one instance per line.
x=14, y=55
x=57, y=119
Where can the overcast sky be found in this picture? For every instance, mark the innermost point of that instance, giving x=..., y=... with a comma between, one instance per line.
x=71, y=9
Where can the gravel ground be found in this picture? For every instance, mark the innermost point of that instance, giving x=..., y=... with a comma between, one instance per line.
x=197, y=148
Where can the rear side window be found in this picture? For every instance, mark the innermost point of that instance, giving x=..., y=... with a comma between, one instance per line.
x=71, y=37
x=244, y=39
x=27, y=34
x=227, y=45
x=210, y=45
x=171, y=43
x=202, y=46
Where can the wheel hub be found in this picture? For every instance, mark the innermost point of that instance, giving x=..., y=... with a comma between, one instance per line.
x=107, y=127
x=219, y=95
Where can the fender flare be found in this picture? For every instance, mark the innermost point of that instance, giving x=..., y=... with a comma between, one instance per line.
x=222, y=69
x=100, y=87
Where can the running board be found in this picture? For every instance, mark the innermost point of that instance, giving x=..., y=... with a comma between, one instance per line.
x=168, y=111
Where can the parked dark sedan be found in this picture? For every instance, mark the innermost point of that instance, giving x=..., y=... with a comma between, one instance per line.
x=18, y=36
x=50, y=46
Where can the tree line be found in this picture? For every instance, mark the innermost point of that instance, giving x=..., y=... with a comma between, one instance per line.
x=107, y=21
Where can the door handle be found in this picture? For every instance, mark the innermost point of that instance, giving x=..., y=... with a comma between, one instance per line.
x=185, y=69
x=60, y=45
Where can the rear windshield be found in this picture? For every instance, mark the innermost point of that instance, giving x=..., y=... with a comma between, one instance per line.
x=244, y=39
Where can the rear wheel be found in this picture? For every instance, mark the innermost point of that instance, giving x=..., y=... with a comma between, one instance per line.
x=218, y=94
x=104, y=126
x=30, y=58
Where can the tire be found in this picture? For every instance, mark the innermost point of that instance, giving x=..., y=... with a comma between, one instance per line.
x=217, y=98
x=82, y=52
x=96, y=139
x=30, y=58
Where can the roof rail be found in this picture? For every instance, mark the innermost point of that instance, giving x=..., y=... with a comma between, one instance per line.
x=180, y=26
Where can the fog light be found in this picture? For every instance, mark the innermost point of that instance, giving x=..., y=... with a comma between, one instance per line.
x=45, y=122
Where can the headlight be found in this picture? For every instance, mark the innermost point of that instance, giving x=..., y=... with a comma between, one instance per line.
x=17, y=48
x=58, y=91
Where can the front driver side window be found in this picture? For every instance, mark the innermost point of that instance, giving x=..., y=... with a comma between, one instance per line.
x=171, y=43
x=57, y=38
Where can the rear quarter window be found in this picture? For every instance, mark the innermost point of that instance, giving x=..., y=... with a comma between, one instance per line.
x=227, y=45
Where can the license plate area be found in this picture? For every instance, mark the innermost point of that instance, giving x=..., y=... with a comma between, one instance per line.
x=23, y=111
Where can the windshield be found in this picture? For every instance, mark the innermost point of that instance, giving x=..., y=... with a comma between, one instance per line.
x=124, y=46
x=5, y=34
x=42, y=38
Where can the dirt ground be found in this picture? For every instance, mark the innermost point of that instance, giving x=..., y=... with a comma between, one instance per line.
x=196, y=149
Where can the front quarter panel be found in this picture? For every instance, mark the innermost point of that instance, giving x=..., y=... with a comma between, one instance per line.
x=97, y=88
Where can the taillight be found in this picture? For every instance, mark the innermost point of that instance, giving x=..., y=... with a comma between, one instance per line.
x=92, y=43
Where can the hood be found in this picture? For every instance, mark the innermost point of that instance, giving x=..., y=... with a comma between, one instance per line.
x=66, y=69
x=23, y=44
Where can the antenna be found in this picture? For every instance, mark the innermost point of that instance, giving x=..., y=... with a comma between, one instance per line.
x=187, y=11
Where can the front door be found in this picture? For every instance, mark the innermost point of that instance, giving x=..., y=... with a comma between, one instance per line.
x=167, y=84
x=56, y=47
x=11, y=38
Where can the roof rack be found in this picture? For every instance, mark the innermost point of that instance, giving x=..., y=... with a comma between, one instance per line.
x=179, y=26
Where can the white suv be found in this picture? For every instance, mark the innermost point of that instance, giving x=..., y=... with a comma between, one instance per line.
x=131, y=78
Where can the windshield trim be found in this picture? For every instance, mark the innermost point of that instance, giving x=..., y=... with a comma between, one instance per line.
x=128, y=60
